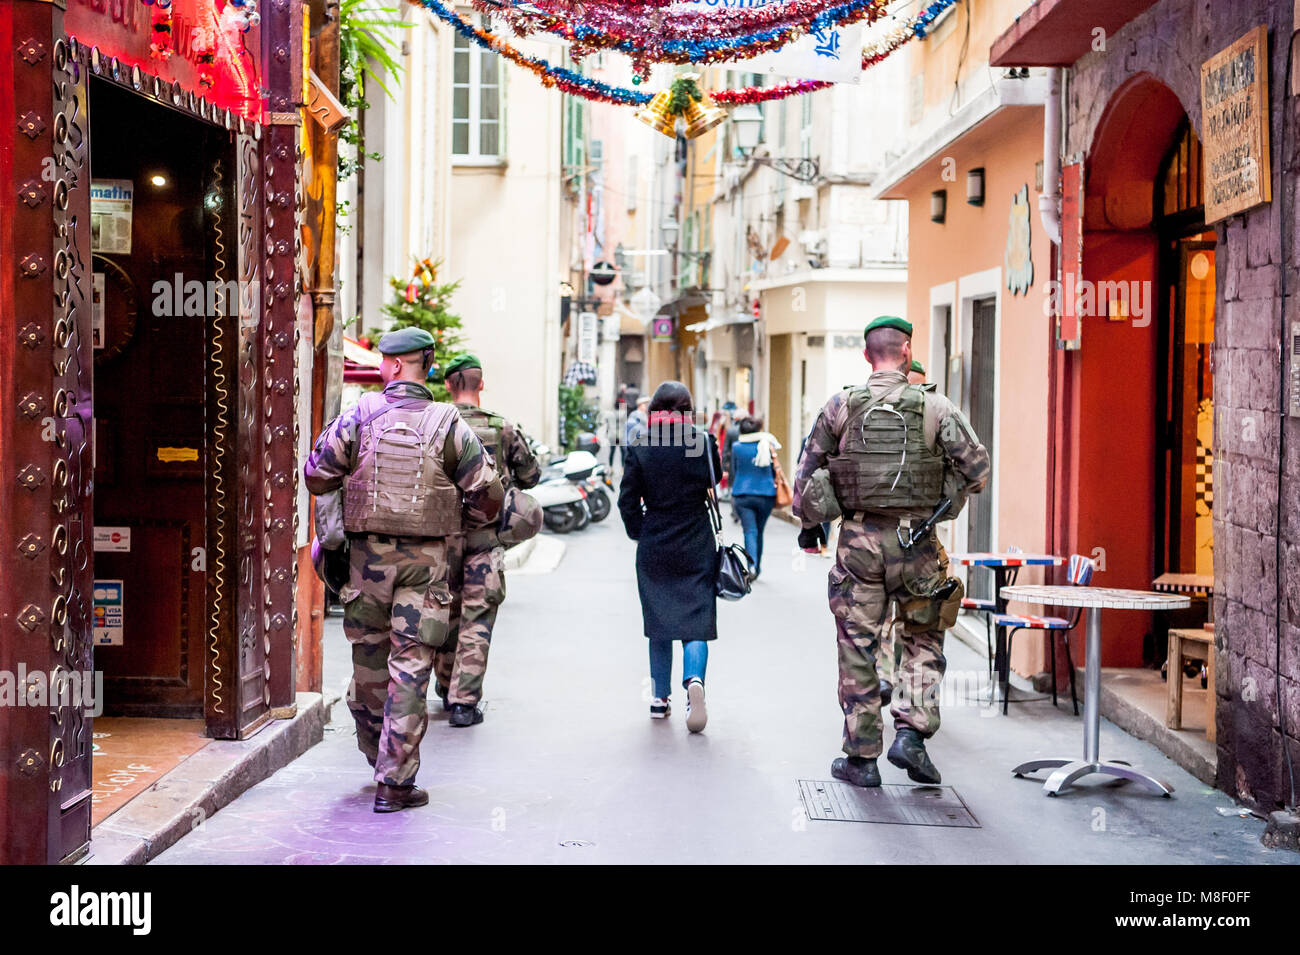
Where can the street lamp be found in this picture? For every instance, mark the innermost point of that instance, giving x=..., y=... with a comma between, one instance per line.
x=747, y=120
x=669, y=229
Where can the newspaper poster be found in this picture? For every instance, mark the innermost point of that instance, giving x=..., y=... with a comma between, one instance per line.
x=110, y=215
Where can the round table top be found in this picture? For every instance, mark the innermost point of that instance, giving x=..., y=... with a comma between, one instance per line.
x=1105, y=597
x=1006, y=559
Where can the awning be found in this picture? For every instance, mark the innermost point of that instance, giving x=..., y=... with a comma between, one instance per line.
x=360, y=365
x=735, y=318
x=354, y=352
x=1058, y=32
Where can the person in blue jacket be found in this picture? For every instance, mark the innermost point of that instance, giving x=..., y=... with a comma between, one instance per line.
x=753, y=483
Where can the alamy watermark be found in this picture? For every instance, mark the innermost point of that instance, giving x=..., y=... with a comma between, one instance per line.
x=1120, y=301
x=82, y=689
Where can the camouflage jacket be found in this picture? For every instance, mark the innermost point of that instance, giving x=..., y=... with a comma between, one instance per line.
x=464, y=458
x=946, y=429
x=520, y=467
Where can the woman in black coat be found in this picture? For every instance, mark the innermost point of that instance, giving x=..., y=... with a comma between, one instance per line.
x=663, y=503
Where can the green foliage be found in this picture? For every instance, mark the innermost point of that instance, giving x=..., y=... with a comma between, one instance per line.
x=682, y=94
x=421, y=302
x=365, y=50
x=577, y=413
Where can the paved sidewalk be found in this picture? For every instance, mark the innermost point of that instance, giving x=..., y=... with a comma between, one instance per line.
x=568, y=768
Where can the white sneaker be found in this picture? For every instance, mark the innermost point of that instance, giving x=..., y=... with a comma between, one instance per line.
x=696, y=713
x=660, y=708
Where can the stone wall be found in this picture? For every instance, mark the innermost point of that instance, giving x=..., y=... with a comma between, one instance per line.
x=1170, y=41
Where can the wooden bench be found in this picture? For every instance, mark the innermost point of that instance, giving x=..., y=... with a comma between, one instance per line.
x=1199, y=645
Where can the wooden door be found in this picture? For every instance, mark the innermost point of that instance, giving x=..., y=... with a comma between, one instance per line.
x=151, y=454
x=981, y=414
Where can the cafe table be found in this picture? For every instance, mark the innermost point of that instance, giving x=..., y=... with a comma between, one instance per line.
x=1004, y=566
x=1093, y=599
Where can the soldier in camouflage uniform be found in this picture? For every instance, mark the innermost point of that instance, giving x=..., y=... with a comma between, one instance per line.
x=885, y=495
x=405, y=464
x=891, y=644
x=478, y=582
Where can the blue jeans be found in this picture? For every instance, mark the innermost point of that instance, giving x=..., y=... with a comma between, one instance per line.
x=695, y=657
x=754, y=510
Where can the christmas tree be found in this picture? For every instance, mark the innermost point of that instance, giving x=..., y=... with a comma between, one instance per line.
x=421, y=302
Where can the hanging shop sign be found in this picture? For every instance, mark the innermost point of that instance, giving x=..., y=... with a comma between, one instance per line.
x=211, y=48
x=108, y=613
x=1234, y=127
x=661, y=328
x=1068, y=325
x=588, y=339
x=1017, y=258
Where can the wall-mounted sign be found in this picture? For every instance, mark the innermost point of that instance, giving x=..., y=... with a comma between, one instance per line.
x=112, y=540
x=1234, y=127
x=1068, y=325
x=108, y=613
x=110, y=215
x=1017, y=260
x=661, y=329
x=210, y=48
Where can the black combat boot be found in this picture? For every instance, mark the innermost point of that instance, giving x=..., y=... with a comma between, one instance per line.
x=908, y=752
x=886, y=692
x=858, y=770
x=465, y=714
x=442, y=695
x=394, y=798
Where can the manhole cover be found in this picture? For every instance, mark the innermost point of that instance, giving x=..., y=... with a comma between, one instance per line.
x=892, y=804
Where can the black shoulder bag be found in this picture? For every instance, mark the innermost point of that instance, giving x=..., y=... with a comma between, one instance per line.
x=735, y=571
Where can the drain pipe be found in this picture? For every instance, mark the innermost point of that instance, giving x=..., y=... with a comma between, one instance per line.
x=1049, y=203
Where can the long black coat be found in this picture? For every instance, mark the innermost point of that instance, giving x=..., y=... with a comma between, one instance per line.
x=676, y=555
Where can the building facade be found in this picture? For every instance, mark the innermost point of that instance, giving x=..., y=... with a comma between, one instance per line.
x=1178, y=212
x=149, y=220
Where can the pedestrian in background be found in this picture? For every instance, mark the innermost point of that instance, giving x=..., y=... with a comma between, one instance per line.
x=663, y=502
x=636, y=423
x=753, y=483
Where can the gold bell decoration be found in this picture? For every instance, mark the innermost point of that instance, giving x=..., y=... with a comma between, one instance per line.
x=686, y=100
x=702, y=116
x=655, y=114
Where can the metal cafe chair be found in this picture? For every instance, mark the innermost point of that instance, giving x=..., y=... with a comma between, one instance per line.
x=990, y=607
x=1079, y=573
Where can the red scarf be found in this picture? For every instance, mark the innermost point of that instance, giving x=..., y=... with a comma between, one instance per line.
x=667, y=417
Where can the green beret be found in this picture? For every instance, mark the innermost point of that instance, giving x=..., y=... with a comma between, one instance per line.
x=918, y=367
x=461, y=362
x=403, y=341
x=889, y=321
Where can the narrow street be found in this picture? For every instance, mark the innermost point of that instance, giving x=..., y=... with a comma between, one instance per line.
x=567, y=766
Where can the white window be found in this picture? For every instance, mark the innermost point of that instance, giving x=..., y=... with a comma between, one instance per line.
x=477, y=131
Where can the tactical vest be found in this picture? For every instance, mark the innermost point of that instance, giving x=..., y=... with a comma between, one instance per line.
x=883, y=465
x=398, y=484
x=490, y=429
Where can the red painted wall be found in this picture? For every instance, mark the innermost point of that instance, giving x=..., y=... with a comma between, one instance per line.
x=1114, y=404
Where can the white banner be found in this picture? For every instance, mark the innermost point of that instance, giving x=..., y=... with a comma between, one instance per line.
x=833, y=55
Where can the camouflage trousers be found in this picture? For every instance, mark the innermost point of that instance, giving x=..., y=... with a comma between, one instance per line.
x=891, y=648
x=871, y=572
x=478, y=587
x=396, y=613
